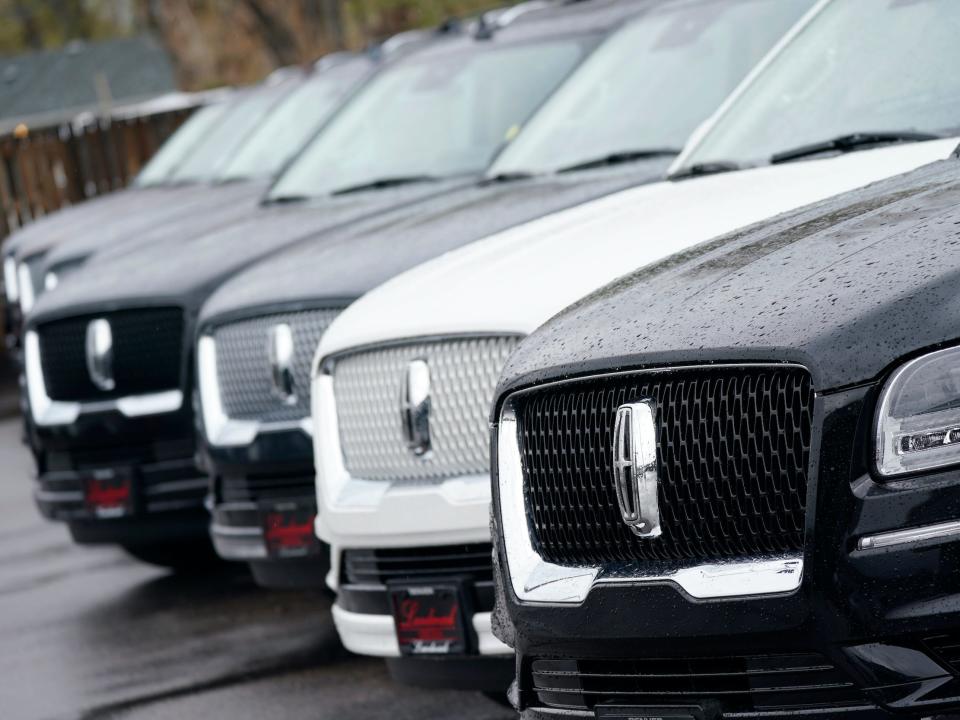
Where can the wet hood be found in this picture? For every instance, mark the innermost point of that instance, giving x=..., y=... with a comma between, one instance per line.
x=182, y=214
x=847, y=287
x=124, y=214
x=183, y=271
x=369, y=253
x=42, y=233
x=513, y=282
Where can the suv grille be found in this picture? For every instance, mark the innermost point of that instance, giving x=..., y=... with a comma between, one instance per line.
x=377, y=567
x=243, y=365
x=147, y=354
x=740, y=684
x=733, y=452
x=463, y=376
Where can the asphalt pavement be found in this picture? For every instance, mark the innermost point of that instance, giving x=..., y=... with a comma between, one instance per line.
x=90, y=634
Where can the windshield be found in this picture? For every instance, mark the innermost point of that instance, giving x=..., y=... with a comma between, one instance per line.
x=434, y=115
x=288, y=127
x=859, y=66
x=180, y=143
x=651, y=84
x=220, y=145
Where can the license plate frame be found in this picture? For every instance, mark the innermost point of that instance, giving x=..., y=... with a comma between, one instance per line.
x=110, y=494
x=288, y=531
x=430, y=619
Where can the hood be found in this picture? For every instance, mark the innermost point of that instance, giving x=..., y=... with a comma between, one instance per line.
x=183, y=271
x=846, y=287
x=42, y=233
x=513, y=282
x=183, y=216
x=128, y=213
x=369, y=253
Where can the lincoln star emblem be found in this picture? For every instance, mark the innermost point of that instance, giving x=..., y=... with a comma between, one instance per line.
x=280, y=348
x=100, y=354
x=415, y=407
x=635, y=467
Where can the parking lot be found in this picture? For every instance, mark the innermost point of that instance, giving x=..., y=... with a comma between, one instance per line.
x=87, y=633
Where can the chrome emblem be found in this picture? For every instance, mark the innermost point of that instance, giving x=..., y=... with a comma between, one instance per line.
x=99, y=347
x=635, y=467
x=281, y=350
x=415, y=407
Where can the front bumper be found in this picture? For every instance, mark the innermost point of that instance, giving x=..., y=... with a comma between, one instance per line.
x=408, y=522
x=263, y=503
x=884, y=622
x=166, y=490
x=376, y=635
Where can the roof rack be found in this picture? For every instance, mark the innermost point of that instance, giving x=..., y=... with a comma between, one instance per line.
x=493, y=20
x=333, y=59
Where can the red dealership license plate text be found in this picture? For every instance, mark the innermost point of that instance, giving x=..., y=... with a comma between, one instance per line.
x=289, y=533
x=109, y=494
x=429, y=620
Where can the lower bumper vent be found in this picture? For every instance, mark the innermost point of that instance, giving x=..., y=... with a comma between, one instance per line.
x=738, y=684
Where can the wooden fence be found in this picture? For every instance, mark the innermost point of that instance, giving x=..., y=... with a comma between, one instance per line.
x=46, y=168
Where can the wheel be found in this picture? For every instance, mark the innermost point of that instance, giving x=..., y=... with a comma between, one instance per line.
x=179, y=557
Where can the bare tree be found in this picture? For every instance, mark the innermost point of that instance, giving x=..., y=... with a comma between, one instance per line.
x=276, y=36
x=30, y=33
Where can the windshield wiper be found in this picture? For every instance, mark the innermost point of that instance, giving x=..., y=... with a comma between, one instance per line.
x=705, y=168
x=621, y=158
x=851, y=142
x=286, y=199
x=507, y=177
x=384, y=183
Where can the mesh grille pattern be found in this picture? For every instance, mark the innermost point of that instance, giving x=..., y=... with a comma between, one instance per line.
x=243, y=365
x=463, y=377
x=733, y=452
x=147, y=354
x=740, y=684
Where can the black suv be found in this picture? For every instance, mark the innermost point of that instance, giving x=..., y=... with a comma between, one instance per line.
x=727, y=484
x=109, y=356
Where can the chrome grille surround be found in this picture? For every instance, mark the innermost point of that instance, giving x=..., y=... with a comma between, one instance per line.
x=367, y=385
x=244, y=373
x=538, y=581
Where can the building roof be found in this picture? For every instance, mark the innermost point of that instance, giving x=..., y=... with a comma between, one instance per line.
x=54, y=85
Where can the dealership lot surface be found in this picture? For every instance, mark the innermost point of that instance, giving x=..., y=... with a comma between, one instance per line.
x=89, y=634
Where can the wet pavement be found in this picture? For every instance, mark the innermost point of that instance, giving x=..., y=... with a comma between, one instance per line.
x=90, y=634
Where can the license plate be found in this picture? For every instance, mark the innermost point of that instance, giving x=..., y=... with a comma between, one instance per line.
x=109, y=494
x=647, y=713
x=429, y=620
x=288, y=532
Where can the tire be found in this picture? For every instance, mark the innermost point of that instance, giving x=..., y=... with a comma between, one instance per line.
x=183, y=557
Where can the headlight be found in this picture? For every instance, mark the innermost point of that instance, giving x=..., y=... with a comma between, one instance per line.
x=25, y=285
x=10, y=278
x=918, y=425
x=50, y=281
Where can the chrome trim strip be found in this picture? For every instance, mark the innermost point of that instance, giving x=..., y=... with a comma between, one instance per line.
x=48, y=413
x=241, y=544
x=562, y=712
x=939, y=533
x=227, y=531
x=535, y=581
x=54, y=496
x=220, y=429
